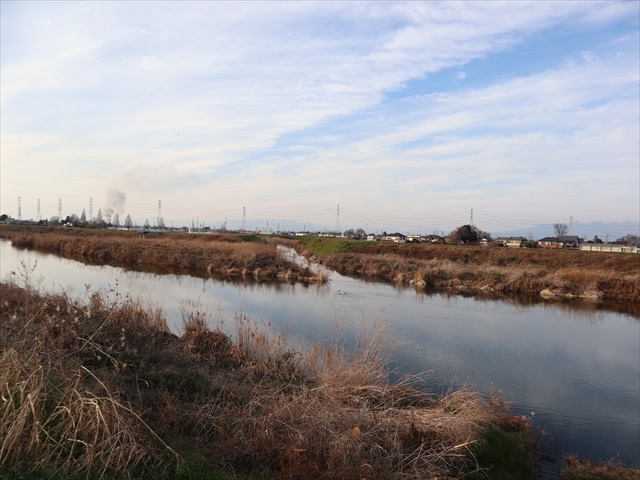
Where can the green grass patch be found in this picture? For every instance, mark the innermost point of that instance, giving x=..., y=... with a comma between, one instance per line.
x=322, y=246
x=251, y=238
x=505, y=456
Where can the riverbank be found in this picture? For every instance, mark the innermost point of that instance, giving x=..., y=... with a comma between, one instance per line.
x=88, y=300
x=223, y=256
x=101, y=389
x=484, y=270
x=499, y=271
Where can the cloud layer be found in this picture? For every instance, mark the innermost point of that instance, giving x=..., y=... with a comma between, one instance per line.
x=405, y=114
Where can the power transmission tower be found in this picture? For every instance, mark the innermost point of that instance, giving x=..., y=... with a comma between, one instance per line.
x=471, y=218
x=571, y=224
x=19, y=208
x=244, y=219
x=59, y=209
x=39, y=216
x=159, y=213
x=91, y=208
x=338, y=220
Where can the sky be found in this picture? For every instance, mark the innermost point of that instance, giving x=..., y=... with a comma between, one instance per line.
x=415, y=117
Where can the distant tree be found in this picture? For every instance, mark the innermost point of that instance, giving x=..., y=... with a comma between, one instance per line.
x=349, y=233
x=147, y=225
x=99, y=220
x=596, y=239
x=560, y=229
x=467, y=231
x=3, y=217
x=54, y=220
x=116, y=220
x=629, y=240
x=128, y=223
x=83, y=219
x=161, y=225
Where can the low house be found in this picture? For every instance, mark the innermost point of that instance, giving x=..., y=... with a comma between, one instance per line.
x=515, y=242
x=395, y=238
x=432, y=239
x=501, y=241
x=570, y=241
x=550, y=242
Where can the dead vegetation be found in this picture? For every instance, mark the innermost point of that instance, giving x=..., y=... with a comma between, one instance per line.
x=574, y=468
x=503, y=271
x=100, y=387
x=223, y=256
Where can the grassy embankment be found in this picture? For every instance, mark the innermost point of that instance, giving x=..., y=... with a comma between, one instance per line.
x=494, y=270
x=221, y=256
x=99, y=388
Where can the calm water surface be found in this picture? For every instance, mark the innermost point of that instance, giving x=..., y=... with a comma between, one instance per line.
x=575, y=370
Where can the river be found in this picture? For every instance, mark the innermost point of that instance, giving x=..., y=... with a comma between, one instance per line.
x=575, y=371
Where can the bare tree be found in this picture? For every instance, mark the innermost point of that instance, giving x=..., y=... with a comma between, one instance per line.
x=560, y=229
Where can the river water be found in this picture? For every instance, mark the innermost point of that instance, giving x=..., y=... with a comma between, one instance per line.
x=575, y=371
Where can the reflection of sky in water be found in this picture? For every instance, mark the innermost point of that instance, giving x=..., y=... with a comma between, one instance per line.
x=578, y=370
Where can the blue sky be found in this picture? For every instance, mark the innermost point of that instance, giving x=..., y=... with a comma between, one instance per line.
x=406, y=114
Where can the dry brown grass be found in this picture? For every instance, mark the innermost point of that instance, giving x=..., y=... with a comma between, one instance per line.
x=330, y=412
x=51, y=421
x=502, y=271
x=575, y=469
x=220, y=255
x=56, y=415
x=102, y=386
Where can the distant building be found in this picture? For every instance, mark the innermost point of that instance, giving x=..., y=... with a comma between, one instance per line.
x=395, y=238
x=550, y=242
x=513, y=242
x=608, y=247
x=570, y=241
x=432, y=239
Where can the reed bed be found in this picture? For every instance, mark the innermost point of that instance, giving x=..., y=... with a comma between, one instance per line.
x=574, y=468
x=99, y=387
x=500, y=271
x=223, y=256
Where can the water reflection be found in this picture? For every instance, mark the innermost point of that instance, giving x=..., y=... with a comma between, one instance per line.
x=575, y=364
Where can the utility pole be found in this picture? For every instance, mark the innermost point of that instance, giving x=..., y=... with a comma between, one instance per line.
x=39, y=216
x=19, y=208
x=90, y=208
x=60, y=209
x=471, y=218
x=338, y=220
x=159, y=213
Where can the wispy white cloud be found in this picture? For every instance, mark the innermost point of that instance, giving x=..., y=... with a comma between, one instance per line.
x=234, y=103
